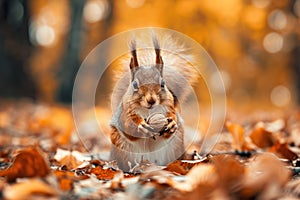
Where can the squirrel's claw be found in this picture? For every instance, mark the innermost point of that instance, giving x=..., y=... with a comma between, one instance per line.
x=146, y=130
x=148, y=127
x=171, y=127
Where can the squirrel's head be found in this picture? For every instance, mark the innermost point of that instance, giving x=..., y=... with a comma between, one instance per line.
x=147, y=84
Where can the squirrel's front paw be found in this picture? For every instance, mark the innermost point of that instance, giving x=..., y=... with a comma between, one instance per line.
x=171, y=126
x=146, y=130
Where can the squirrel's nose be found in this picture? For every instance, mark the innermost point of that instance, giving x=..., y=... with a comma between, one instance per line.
x=151, y=101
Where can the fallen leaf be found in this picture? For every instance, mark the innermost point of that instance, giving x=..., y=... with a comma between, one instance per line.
x=230, y=172
x=265, y=176
x=27, y=163
x=283, y=151
x=116, y=182
x=261, y=137
x=66, y=179
x=156, y=174
x=69, y=175
x=275, y=126
x=65, y=184
x=183, y=166
x=70, y=159
x=69, y=162
x=204, y=174
x=237, y=132
x=25, y=189
x=102, y=174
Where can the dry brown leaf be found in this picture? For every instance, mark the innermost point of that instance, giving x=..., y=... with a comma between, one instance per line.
x=70, y=162
x=178, y=167
x=70, y=159
x=202, y=174
x=261, y=137
x=65, y=184
x=116, y=182
x=69, y=175
x=27, y=163
x=184, y=166
x=237, y=132
x=102, y=174
x=265, y=176
x=283, y=151
x=25, y=189
x=230, y=172
x=66, y=179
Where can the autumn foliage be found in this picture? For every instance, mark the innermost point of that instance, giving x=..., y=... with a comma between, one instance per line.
x=252, y=160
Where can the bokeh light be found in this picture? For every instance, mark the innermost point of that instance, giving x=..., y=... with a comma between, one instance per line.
x=273, y=42
x=95, y=10
x=277, y=20
x=255, y=43
x=45, y=35
x=41, y=34
x=280, y=96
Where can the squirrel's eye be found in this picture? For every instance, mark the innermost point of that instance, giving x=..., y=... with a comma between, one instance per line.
x=162, y=83
x=135, y=85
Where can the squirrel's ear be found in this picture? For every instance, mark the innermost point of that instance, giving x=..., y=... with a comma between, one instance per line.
x=133, y=61
x=158, y=60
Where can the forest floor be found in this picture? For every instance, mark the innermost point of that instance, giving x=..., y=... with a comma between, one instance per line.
x=40, y=158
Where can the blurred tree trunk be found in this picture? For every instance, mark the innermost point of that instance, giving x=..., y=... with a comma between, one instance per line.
x=296, y=54
x=77, y=42
x=15, y=48
x=71, y=62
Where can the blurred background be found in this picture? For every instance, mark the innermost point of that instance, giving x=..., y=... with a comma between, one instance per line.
x=255, y=43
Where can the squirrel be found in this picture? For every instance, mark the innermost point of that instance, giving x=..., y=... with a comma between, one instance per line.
x=146, y=122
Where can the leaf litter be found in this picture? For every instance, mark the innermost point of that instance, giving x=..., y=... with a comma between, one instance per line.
x=39, y=159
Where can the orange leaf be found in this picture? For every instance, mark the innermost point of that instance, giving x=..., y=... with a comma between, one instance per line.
x=27, y=163
x=261, y=137
x=229, y=170
x=65, y=184
x=180, y=167
x=69, y=175
x=24, y=190
x=265, y=176
x=70, y=162
x=282, y=150
x=103, y=174
x=237, y=133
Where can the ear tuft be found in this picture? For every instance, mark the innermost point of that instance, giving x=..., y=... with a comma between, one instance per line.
x=133, y=61
x=158, y=59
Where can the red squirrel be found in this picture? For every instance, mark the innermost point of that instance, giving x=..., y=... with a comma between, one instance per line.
x=146, y=124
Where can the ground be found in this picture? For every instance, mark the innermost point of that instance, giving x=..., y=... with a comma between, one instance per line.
x=257, y=157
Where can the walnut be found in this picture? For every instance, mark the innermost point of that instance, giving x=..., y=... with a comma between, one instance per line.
x=157, y=121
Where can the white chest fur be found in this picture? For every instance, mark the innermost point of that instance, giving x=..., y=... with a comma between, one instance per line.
x=160, y=151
